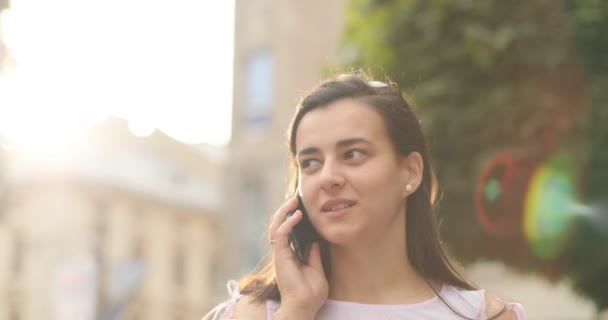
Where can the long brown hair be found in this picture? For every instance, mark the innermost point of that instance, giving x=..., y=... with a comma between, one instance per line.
x=424, y=248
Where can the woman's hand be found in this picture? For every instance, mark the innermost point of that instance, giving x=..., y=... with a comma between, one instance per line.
x=303, y=287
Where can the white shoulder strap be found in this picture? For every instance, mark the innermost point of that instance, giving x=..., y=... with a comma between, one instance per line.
x=224, y=310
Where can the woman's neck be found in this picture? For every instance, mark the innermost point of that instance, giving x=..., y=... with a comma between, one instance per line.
x=376, y=273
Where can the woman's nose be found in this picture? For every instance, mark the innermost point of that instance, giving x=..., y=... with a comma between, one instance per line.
x=331, y=176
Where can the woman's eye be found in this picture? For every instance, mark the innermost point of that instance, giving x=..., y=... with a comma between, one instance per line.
x=354, y=154
x=307, y=163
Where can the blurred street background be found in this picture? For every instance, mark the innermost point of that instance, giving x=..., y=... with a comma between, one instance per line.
x=142, y=143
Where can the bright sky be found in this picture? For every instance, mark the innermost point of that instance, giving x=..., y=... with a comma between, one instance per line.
x=164, y=64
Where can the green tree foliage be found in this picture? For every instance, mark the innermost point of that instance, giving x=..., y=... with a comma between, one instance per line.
x=589, y=259
x=526, y=76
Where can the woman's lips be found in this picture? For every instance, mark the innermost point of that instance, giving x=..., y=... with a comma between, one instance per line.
x=337, y=207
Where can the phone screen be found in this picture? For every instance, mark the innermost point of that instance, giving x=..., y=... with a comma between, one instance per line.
x=303, y=234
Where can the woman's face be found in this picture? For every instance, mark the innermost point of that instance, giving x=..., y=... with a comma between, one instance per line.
x=351, y=180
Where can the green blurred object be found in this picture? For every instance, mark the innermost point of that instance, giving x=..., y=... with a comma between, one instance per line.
x=491, y=75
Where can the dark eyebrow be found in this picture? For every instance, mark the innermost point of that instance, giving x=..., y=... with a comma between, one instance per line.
x=351, y=141
x=340, y=144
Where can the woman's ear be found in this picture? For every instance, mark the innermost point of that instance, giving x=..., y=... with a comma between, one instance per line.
x=413, y=168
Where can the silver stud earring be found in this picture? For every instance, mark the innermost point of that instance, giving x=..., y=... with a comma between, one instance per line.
x=408, y=188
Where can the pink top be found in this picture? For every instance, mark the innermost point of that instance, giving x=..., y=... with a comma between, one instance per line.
x=470, y=303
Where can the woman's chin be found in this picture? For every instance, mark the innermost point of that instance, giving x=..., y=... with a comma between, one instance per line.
x=341, y=237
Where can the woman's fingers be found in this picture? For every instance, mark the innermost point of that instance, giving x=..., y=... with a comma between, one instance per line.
x=279, y=216
x=281, y=227
x=281, y=236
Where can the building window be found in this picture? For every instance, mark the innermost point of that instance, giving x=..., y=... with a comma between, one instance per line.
x=259, y=89
x=138, y=248
x=138, y=311
x=138, y=217
x=18, y=253
x=102, y=210
x=14, y=314
x=255, y=215
x=179, y=268
x=3, y=196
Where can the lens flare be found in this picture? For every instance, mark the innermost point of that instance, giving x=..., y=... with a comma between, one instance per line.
x=549, y=207
x=499, y=192
x=595, y=214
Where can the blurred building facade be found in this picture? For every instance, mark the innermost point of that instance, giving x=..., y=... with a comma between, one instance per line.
x=121, y=227
x=280, y=49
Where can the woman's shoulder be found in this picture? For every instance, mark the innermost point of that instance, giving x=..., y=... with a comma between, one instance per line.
x=501, y=309
x=493, y=306
x=239, y=306
x=247, y=306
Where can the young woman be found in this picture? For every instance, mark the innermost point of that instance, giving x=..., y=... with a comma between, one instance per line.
x=362, y=168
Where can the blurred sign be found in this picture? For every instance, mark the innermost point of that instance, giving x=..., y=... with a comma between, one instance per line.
x=74, y=289
x=127, y=278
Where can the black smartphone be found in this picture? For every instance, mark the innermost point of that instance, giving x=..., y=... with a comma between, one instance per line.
x=303, y=234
